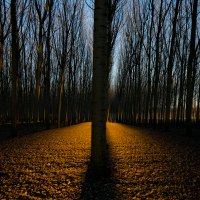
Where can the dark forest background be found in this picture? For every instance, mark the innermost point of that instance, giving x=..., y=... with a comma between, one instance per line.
x=153, y=53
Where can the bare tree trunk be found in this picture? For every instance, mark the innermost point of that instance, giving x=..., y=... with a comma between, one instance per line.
x=191, y=70
x=149, y=67
x=48, y=67
x=61, y=87
x=181, y=91
x=157, y=67
x=3, y=36
x=15, y=64
x=99, y=90
x=1, y=81
x=198, y=109
x=174, y=116
x=38, y=75
x=170, y=67
x=42, y=19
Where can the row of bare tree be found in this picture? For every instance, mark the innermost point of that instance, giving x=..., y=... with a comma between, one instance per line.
x=45, y=62
x=157, y=79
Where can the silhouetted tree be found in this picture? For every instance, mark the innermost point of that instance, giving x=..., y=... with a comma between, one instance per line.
x=99, y=86
x=191, y=69
x=48, y=65
x=170, y=66
x=15, y=65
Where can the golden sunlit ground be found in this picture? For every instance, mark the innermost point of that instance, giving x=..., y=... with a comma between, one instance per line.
x=154, y=165
x=145, y=165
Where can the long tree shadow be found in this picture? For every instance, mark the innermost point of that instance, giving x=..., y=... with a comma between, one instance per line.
x=99, y=187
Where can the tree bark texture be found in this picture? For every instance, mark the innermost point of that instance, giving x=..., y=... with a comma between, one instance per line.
x=99, y=83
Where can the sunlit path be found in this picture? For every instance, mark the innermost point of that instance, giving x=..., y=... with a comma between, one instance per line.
x=154, y=165
x=146, y=165
x=49, y=164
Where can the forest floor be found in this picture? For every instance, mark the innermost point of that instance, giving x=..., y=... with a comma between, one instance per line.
x=53, y=164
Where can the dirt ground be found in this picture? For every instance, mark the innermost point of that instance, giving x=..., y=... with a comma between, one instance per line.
x=53, y=164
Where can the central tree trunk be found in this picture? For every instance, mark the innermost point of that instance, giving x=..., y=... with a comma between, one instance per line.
x=100, y=85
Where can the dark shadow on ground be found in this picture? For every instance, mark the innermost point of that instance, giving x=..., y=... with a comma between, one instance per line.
x=21, y=129
x=99, y=187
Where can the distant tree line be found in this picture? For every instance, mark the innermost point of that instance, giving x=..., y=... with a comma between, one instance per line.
x=158, y=69
x=45, y=62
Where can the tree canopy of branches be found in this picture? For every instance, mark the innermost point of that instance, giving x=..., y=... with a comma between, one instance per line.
x=46, y=71
x=157, y=79
x=152, y=62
